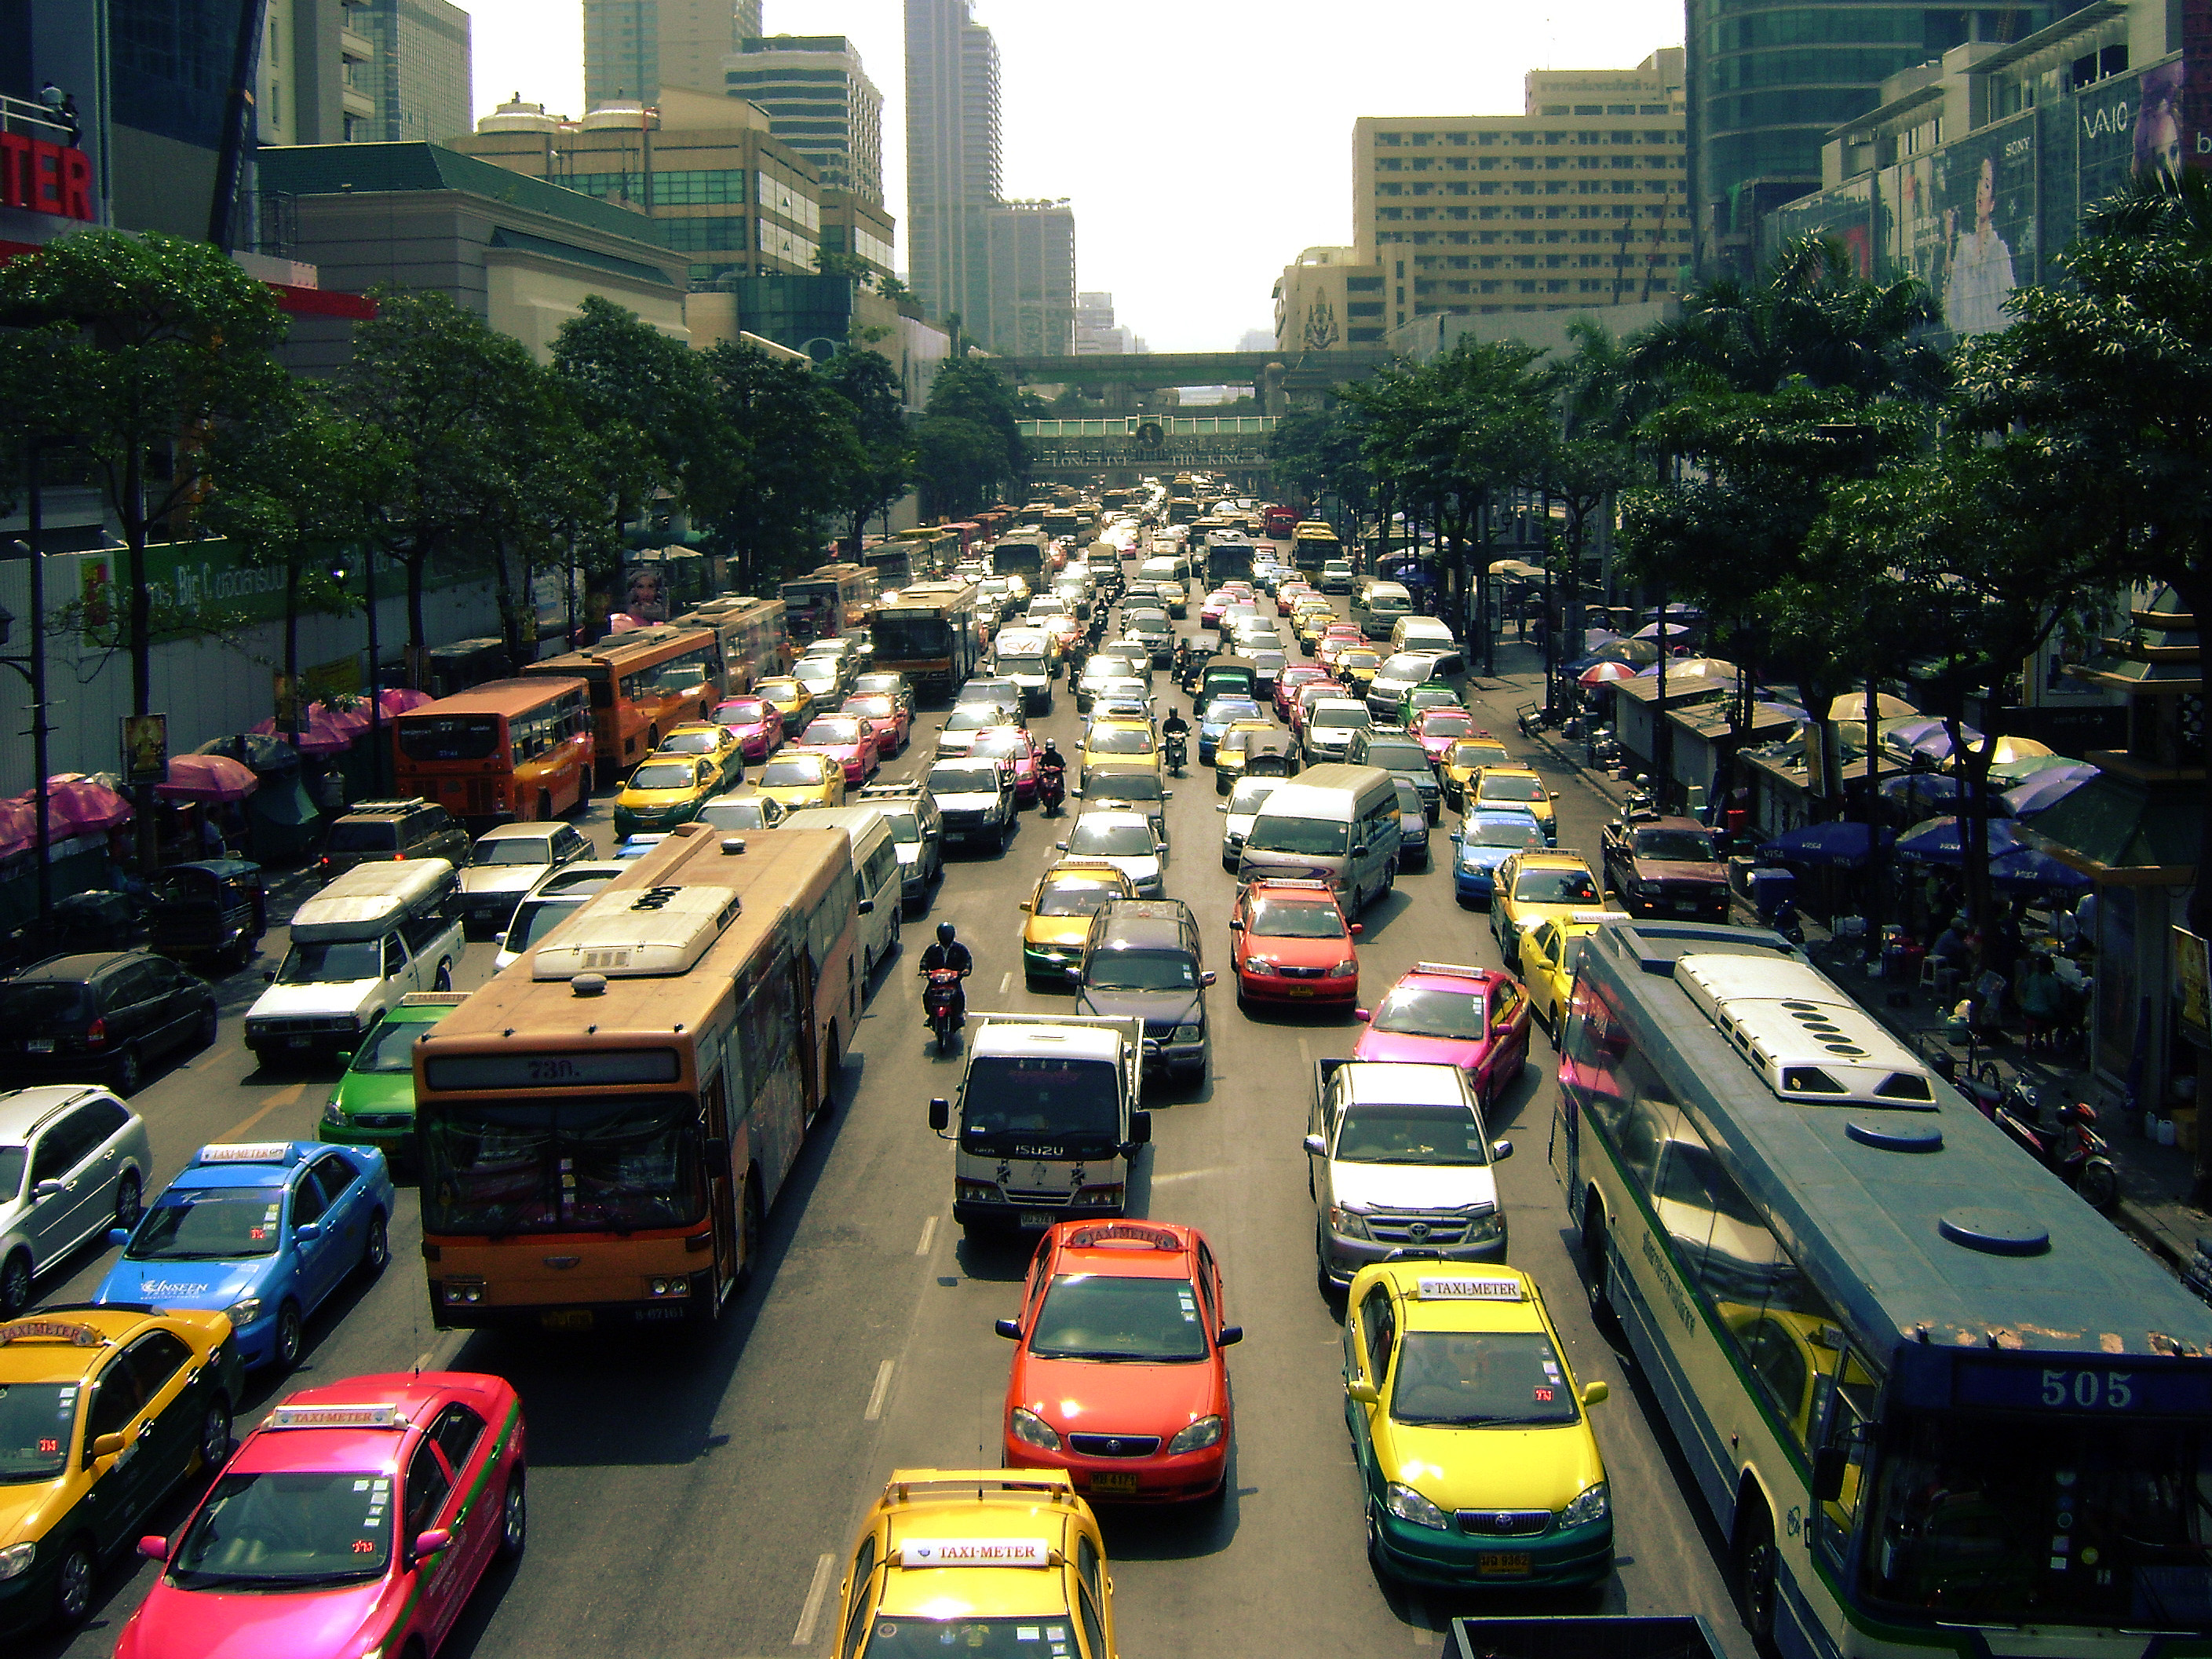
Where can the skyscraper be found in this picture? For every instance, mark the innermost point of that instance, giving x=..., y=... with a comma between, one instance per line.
x=418, y=78
x=633, y=47
x=819, y=101
x=1032, y=268
x=951, y=160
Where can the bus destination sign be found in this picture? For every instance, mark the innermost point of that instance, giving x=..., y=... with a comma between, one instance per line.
x=598, y=1067
x=2148, y=1387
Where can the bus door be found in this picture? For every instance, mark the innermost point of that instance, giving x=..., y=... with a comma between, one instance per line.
x=803, y=976
x=721, y=1184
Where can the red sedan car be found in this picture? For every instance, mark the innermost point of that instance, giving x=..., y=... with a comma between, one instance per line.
x=1295, y=677
x=755, y=719
x=848, y=740
x=1451, y=1014
x=1121, y=1377
x=1438, y=729
x=1209, y=612
x=1013, y=744
x=1289, y=942
x=886, y=715
x=356, y=1519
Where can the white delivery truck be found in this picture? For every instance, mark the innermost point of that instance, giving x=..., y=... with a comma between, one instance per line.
x=375, y=933
x=1046, y=1123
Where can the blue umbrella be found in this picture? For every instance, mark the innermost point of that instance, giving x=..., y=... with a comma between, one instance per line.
x=2023, y=866
x=2045, y=788
x=1929, y=790
x=1841, y=844
x=1938, y=841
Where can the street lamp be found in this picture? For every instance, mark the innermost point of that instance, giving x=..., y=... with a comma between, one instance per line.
x=339, y=573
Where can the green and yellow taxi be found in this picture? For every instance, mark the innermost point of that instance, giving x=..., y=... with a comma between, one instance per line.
x=1518, y=786
x=800, y=778
x=1311, y=616
x=373, y=1102
x=1060, y=910
x=1462, y=761
x=104, y=1411
x=709, y=741
x=789, y=698
x=1549, y=953
x=1532, y=888
x=665, y=791
x=1470, y=1432
x=992, y=1562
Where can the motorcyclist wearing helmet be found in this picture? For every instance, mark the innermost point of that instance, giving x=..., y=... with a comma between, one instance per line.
x=949, y=952
x=1051, y=766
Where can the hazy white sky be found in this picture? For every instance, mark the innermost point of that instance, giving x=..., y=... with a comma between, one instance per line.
x=1204, y=143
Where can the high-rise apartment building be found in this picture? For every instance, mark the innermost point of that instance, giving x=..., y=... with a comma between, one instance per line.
x=819, y=101
x=417, y=76
x=951, y=160
x=632, y=48
x=1032, y=270
x=1579, y=202
x=1097, y=334
x=1766, y=86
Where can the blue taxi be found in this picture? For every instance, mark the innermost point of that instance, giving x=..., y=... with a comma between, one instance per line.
x=1486, y=838
x=261, y=1230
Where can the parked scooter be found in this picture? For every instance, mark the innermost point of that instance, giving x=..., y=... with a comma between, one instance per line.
x=2065, y=1142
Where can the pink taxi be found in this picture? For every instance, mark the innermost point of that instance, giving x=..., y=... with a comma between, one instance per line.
x=756, y=722
x=1449, y=1013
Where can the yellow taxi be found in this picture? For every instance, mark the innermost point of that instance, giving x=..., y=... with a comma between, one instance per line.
x=1470, y=1431
x=800, y=778
x=665, y=791
x=983, y=1561
x=1118, y=743
x=1310, y=617
x=1533, y=887
x=789, y=698
x=106, y=1410
x=1518, y=786
x=717, y=743
x=1357, y=666
x=1234, y=748
x=1060, y=910
x=1466, y=757
x=1549, y=953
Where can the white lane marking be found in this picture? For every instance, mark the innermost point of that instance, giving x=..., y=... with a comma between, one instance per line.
x=1006, y=982
x=1188, y=1175
x=440, y=1355
x=1305, y=1054
x=928, y=1237
x=876, y=1394
x=824, y=1566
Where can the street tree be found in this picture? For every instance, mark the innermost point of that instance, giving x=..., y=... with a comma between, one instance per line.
x=647, y=400
x=786, y=465
x=870, y=385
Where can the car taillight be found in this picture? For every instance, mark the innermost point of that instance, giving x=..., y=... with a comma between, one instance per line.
x=95, y=1035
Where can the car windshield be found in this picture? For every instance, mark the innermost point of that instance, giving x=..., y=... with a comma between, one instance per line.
x=1140, y=970
x=1412, y=815
x=750, y=712
x=209, y=1223
x=1124, y=840
x=816, y=675
x=1510, y=788
x=1001, y=746
x=1403, y=667
x=748, y=813
x=831, y=732
x=871, y=707
x=1245, y=798
x=690, y=743
x=905, y=828
x=35, y=1420
x=1493, y=833
x=1555, y=887
x=1474, y=1378
x=975, y=716
x=538, y=917
x=35, y=1003
x=1074, y=898
x=391, y=1046
x=364, y=835
x=1072, y=1103
x=1421, y=1010
x=1222, y=710
x=1029, y=1636
x=1411, y=1134
x=287, y=1531
x=511, y=849
x=885, y=684
x=1395, y=755
x=532, y=1165
x=1295, y=919
x=1096, y=1316
x=1116, y=784
x=12, y=1160
x=1341, y=717
x=1681, y=845
x=780, y=690
x=796, y=771
x=1119, y=740
x=1447, y=725
x=668, y=775
x=341, y=963
x=964, y=780
x=1316, y=837
x=1022, y=664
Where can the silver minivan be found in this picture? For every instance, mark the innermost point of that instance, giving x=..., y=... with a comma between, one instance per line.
x=74, y=1162
x=1332, y=823
x=876, y=870
x=1378, y=607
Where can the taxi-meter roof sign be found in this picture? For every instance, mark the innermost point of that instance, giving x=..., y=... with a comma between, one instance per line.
x=1470, y=1290
x=52, y=1330
x=975, y=1553
x=248, y=1151
x=336, y=1417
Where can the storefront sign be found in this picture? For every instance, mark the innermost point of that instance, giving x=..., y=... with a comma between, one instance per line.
x=44, y=177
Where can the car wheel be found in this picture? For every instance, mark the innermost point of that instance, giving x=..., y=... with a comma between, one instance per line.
x=129, y=1200
x=75, y=1576
x=288, y=1337
x=127, y=1073
x=215, y=1433
x=376, y=1249
x=514, y=1518
x=208, y=1025
x=445, y=980
x=15, y=1285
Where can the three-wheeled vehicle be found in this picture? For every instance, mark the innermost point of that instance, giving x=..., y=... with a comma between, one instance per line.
x=213, y=911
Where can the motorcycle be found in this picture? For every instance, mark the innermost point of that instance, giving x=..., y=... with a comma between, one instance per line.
x=1178, y=749
x=943, y=1005
x=1052, y=788
x=2070, y=1147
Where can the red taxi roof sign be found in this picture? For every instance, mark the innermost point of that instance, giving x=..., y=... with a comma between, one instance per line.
x=247, y=1151
x=975, y=1553
x=334, y=1416
x=1470, y=1290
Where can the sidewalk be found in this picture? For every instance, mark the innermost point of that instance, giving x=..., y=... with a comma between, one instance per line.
x=2154, y=1180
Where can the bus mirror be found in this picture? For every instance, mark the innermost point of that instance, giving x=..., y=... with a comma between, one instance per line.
x=1829, y=1464
x=718, y=1157
x=1140, y=1128
x=940, y=1114
x=865, y=908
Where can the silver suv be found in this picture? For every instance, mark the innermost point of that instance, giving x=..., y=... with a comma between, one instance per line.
x=73, y=1163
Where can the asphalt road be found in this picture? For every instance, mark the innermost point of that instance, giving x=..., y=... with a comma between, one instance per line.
x=697, y=1498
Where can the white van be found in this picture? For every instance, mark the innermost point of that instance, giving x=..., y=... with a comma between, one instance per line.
x=375, y=933
x=876, y=869
x=1332, y=823
x=1161, y=569
x=1379, y=607
x=1421, y=634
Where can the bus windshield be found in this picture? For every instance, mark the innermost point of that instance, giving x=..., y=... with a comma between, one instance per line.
x=609, y=1165
x=450, y=738
x=2067, y=1520
x=898, y=638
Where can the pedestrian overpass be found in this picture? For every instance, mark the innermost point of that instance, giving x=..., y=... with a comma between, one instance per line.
x=1122, y=448
x=1277, y=378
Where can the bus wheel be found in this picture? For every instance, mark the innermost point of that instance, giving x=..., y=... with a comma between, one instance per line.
x=1594, y=1257
x=1757, y=1565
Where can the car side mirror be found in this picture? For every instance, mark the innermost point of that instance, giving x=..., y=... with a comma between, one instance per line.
x=1061, y=845
x=1358, y=928
x=268, y=975
x=1362, y=1014
x=118, y=1235
x=1555, y=794
x=1229, y=1335
x=1359, y=849
x=1235, y=924
x=1317, y=1145
x=430, y=1542
x=929, y=835
x=718, y=1156
x=1501, y=1149
x=1359, y=1388
x=940, y=1114
x=1009, y=1328
x=107, y=1445
x=306, y=1232
x=1169, y=794
x=45, y=1190
x=1140, y=1128
x=154, y=1547
x=1830, y=1464
x=1023, y=907
x=1223, y=807
x=345, y=1056
x=1205, y=978
x=1596, y=1394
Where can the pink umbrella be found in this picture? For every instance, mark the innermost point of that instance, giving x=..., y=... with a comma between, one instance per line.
x=399, y=699
x=19, y=827
x=352, y=721
x=207, y=778
x=76, y=805
x=1602, y=673
x=319, y=736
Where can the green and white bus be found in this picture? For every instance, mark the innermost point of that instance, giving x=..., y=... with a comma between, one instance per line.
x=1934, y=1400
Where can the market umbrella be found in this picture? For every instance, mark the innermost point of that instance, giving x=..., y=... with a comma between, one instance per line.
x=1936, y=745
x=1595, y=637
x=319, y=736
x=1639, y=651
x=1841, y=844
x=1929, y=791
x=352, y=722
x=2025, y=866
x=263, y=751
x=2054, y=784
x=1763, y=703
x=1671, y=630
x=2008, y=774
x=2005, y=750
x=1852, y=705
x=1940, y=841
x=1900, y=732
x=401, y=698
x=19, y=827
x=76, y=806
x=1605, y=673
x=206, y=778
x=1686, y=669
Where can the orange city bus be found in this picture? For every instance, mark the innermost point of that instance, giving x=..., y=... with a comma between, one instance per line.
x=754, y=640
x=511, y=751
x=828, y=600
x=643, y=683
x=604, y=1124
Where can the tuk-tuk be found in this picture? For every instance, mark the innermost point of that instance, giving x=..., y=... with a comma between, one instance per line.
x=215, y=910
x=1270, y=754
x=1193, y=655
x=1226, y=677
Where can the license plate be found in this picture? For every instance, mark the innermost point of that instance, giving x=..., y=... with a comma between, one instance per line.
x=1301, y=990
x=1502, y=1563
x=40, y=1045
x=580, y=1319
x=297, y=1042
x=1114, y=1483
x=1686, y=907
x=1038, y=1218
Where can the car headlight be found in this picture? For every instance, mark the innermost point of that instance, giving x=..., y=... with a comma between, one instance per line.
x=16, y=1560
x=1408, y=1504
x=1350, y=1223
x=243, y=1312
x=332, y=1115
x=1206, y=1431
x=1485, y=1230
x=1259, y=969
x=1596, y=1504
x=1348, y=969
x=1189, y=1033
x=1032, y=1429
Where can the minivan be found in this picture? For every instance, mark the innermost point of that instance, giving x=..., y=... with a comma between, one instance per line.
x=1378, y=607
x=876, y=869
x=1426, y=634
x=1336, y=824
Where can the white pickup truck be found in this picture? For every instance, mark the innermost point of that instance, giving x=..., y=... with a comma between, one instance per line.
x=375, y=933
x=1048, y=1122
